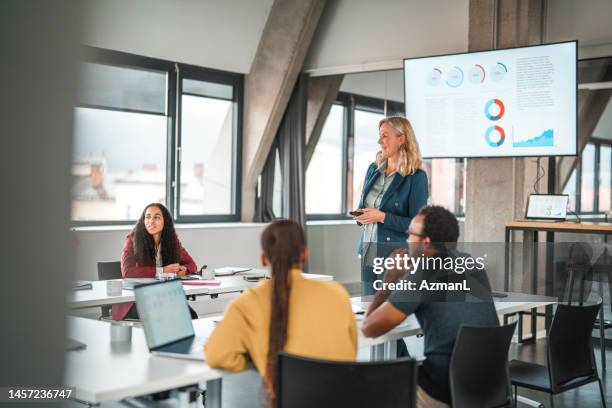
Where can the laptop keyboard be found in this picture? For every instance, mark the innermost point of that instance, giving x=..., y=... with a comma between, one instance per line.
x=198, y=343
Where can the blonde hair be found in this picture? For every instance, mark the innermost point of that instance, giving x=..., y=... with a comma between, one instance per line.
x=410, y=156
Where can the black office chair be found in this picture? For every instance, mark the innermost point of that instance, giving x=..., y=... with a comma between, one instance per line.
x=581, y=278
x=580, y=274
x=479, y=375
x=305, y=383
x=602, y=269
x=571, y=361
x=107, y=271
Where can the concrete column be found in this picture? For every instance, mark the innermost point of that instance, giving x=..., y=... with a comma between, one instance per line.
x=322, y=93
x=497, y=189
x=40, y=46
x=278, y=61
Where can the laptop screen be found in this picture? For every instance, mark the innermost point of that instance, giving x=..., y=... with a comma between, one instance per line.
x=163, y=310
x=547, y=206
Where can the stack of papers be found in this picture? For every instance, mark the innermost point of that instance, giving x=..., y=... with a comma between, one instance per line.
x=202, y=282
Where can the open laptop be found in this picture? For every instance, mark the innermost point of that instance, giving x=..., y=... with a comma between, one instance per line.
x=549, y=207
x=162, y=307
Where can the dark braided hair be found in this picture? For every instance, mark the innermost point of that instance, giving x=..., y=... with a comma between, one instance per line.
x=144, y=244
x=283, y=244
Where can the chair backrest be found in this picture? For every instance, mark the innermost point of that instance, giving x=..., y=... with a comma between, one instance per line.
x=305, y=383
x=107, y=271
x=479, y=373
x=570, y=348
x=579, y=284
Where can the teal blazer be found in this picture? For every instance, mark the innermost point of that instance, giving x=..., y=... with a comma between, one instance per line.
x=403, y=199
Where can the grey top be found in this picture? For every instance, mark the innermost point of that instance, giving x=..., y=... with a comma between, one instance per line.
x=372, y=200
x=159, y=268
x=440, y=315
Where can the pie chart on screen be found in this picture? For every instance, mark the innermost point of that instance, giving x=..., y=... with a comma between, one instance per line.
x=498, y=71
x=494, y=109
x=477, y=74
x=435, y=76
x=454, y=78
x=495, y=136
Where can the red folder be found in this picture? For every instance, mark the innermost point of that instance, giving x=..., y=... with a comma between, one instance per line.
x=202, y=282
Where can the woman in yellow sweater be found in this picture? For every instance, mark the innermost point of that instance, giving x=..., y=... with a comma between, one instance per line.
x=286, y=313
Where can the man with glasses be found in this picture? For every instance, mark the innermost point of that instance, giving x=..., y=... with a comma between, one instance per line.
x=432, y=236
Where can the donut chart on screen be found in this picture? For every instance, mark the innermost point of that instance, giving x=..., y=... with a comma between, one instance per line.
x=454, y=78
x=434, y=77
x=500, y=107
x=495, y=136
x=477, y=74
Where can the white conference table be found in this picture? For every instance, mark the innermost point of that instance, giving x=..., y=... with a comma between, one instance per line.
x=96, y=297
x=106, y=372
x=384, y=347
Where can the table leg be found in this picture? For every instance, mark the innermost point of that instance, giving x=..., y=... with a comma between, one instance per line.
x=377, y=352
x=602, y=335
x=534, y=265
x=507, y=260
x=213, y=393
x=550, y=276
x=534, y=284
x=390, y=350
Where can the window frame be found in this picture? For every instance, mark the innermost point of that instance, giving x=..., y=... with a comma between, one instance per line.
x=172, y=113
x=237, y=82
x=346, y=134
x=352, y=102
x=597, y=143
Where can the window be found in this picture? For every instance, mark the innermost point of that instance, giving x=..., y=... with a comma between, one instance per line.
x=366, y=147
x=119, y=163
x=207, y=164
x=446, y=183
x=605, y=178
x=590, y=186
x=324, y=173
x=570, y=190
x=135, y=142
x=348, y=145
x=587, y=179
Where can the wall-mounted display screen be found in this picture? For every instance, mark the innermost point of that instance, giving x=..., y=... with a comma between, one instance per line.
x=501, y=103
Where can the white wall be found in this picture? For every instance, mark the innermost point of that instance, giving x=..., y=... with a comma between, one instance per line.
x=352, y=36
x=216, y=245
x=209, y=33
x=332, y=247
x=379, y=84
x=588, y=21
x=333, y=250
x=365, y=35
x=603, y=130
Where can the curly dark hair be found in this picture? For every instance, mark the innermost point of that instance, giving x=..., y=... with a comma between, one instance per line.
x=144, y=244
x=439, y=224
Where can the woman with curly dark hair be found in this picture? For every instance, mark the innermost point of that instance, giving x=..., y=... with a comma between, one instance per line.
x=150, y=249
